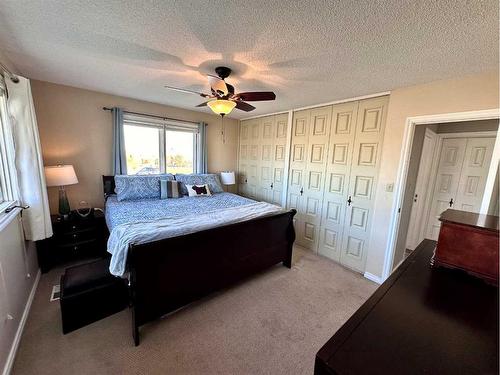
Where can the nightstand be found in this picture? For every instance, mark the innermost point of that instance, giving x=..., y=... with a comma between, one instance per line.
x=73, y=239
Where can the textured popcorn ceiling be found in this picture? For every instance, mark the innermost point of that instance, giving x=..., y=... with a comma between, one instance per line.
x=308, y=52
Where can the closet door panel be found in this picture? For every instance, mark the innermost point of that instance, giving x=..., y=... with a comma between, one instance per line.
x=297, y=172
x=244, y=158
x=255, y=157
x=279, y=152
x=446, y=182
x=338, y=168
x=474, y=173
x=314, y=177
x=362, y=181
x=266, y=158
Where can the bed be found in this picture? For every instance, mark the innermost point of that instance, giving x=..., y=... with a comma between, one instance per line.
x=176, y=251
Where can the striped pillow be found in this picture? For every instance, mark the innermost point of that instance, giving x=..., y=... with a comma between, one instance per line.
x=170, y=189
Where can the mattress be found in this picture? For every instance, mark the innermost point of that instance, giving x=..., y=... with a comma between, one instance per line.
x=126, y=212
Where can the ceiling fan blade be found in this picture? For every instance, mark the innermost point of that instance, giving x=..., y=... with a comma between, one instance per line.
x=188, y=91
x=255, y=96
x=204, y=104
x=244, y=106
x=218, y=85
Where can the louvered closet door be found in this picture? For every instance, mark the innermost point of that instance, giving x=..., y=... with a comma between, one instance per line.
x=279, y=152
x=314, y=178
x=362, y=182
x=474, y=173
x=264, y=188
x=255, y=158
x=298, y=164
x=244, y=158
x=338, y=169
x=446, y=182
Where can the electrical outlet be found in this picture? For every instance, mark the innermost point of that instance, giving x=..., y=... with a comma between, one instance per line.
x=389, y=187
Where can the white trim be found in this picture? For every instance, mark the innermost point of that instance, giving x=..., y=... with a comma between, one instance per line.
x=372, y=277
x=7, y=218
x=384, y=93
x=266, y=115
x=15, y=344
x=409, y=131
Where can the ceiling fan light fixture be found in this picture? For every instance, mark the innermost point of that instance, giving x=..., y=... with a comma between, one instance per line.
x=221, y=106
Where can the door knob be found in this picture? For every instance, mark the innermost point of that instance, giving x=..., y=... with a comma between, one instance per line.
x=271, y=185
x=349, y=201
x=301, y=191
x=415, y=198
x=451, y=202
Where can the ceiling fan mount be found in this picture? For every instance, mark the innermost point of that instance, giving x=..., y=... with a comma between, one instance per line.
x=223, y=71
x=223, y=98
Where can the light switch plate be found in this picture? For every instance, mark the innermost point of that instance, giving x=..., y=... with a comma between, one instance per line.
x=389, y=187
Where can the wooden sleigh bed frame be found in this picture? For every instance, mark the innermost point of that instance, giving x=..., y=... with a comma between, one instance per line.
x=168, y=274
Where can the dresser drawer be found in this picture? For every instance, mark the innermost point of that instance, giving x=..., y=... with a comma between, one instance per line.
x=78, y=236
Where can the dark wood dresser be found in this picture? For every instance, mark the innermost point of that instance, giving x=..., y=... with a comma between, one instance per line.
x=422, y=320
x=73, y=239
x=469, y=241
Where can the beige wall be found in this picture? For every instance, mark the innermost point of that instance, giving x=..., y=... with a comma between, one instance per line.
x=470, y=93
x=75, y=130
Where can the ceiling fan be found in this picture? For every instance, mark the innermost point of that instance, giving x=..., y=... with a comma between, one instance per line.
x=223, y=99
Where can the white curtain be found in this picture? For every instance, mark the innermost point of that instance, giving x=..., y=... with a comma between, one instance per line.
x=28, y=160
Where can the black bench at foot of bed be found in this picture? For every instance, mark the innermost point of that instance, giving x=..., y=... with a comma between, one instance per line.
x=168, y=274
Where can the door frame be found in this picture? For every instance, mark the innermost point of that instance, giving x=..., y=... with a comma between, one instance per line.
x=402, y=174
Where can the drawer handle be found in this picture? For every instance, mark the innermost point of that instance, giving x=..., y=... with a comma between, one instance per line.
x=75, y=248
x=74, y=236
x=74, y=227
x=10, y=317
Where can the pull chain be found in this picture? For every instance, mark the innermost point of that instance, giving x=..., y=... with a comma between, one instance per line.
x=223, y=130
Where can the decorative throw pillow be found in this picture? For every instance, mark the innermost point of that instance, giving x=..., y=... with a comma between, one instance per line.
x=170, y=189
x=198, y=190
x=133, y=187
x=211, y=179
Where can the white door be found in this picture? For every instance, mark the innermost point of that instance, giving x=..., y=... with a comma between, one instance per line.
x=265, y=184
x=254, y=159
x=460, y=179
x=279, y=152
x=298, y=164
x=314, y=178
x=417, y=217
x=366, y=157
x=474, y=174
x=338, y=169
x=446, y=182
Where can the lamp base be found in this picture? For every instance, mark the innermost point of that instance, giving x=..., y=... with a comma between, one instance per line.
x=64, y=208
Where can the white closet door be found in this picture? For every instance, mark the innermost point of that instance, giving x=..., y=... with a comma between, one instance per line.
x=338, y=168
x=474, y=173
x=265, y=184
x=279, y=152
x=314, y=178
x=298, y=165
x=254, y=159
x=244, y=158
x=362, y=182
x=446, y=183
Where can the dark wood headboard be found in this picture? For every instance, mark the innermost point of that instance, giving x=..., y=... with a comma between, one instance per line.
x=108, y=185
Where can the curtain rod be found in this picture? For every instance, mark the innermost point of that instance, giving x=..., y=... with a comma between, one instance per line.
x=11, y=75
x=155, y=116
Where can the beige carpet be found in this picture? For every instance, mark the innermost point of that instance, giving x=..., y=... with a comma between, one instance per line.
x=273, y=323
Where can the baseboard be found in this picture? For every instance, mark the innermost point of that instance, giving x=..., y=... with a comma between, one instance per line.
x=374, y=278
x=13, y=350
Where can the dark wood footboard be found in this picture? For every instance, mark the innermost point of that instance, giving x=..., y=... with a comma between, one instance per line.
x=168, y=274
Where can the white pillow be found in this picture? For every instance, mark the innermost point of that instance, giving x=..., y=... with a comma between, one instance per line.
x=198, y=190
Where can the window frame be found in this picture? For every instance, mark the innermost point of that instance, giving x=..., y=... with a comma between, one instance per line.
x=163, y=126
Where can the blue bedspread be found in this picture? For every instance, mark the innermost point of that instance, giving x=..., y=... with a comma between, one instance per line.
x=125, y=212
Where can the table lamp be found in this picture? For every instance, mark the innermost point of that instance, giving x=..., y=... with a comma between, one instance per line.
x=61, y=175
x=227, y=178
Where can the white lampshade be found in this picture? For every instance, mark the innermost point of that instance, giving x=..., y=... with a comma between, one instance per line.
x=60, y=175
x=221, y=107
x=227, y=178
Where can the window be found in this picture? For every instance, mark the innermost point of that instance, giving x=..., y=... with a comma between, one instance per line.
x=156, y=146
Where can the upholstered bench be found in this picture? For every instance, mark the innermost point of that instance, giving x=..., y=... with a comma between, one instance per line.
x=89, y=293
